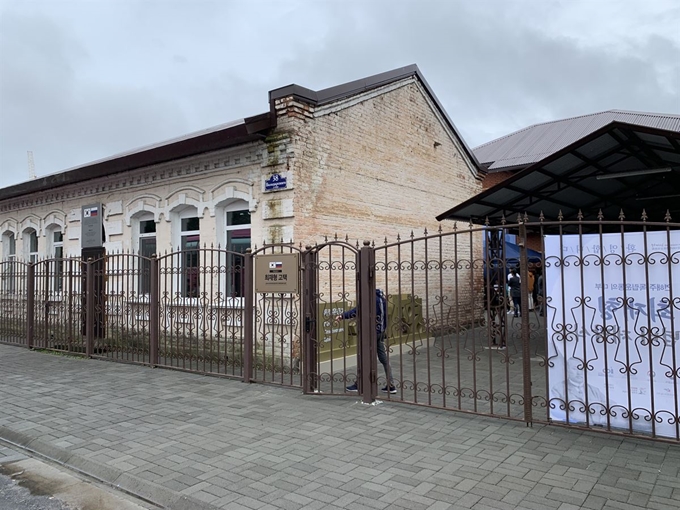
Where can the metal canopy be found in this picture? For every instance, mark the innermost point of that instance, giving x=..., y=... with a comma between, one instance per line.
x=619, y=167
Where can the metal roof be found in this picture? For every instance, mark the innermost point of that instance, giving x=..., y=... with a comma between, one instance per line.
x=534, y=143
x=619, y=167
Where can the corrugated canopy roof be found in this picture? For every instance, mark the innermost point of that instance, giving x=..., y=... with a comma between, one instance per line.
x=537, y=142
x=618, y=167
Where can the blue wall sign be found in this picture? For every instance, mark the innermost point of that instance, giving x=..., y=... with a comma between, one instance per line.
x=276, y=181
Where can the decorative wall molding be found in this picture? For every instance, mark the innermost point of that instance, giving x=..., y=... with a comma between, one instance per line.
x=31, y=221
x=203, y=164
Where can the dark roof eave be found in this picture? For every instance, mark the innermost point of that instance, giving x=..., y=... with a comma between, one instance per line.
x=252, y=129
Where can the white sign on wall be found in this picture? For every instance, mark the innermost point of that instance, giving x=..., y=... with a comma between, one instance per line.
x=614, y=330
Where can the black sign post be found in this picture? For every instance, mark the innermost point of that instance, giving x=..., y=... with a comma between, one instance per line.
x=92, y=252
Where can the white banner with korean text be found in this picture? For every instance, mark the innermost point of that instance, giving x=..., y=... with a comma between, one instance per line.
x=613, y=324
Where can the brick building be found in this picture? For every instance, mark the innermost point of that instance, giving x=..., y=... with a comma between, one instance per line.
x=340, y=160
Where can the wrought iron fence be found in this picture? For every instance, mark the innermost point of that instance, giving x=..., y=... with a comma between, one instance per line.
x=595, y=343
x=200, y=310
x=57, y=304
x=442, y=351
x=612, y=356
x=14, y=301
x=332, y=289
x=276, y=332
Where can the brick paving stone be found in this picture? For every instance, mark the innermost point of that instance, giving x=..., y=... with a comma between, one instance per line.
x=566, y=496
x=617, y=505
x=492, y=504
x=594, y=502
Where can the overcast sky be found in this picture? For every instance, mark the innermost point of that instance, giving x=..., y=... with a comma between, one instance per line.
x=84, y=79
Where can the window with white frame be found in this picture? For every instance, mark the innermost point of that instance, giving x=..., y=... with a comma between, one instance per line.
x=147, y=248
x=58, y=262
x=190, y=239
x=9, y=265
x=9, y=242
x=237, y=231
x=31, y=245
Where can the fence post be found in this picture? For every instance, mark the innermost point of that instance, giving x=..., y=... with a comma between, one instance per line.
x=525, y=332
x=310, y=377
x=154, y=309
x=89, y=307
x=30, y=305
x=248, y=317
x=367, y=364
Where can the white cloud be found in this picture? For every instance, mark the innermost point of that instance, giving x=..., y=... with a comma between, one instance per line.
x=83, y=80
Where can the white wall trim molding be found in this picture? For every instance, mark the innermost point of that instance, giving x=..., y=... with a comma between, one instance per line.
x=229, y=191
x=204, y=164
x=137, y=205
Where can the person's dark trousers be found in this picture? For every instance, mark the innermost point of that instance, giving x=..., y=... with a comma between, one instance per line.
x=382, y=357
x=517, y=302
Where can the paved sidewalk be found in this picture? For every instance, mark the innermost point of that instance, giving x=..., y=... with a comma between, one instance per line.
x=190, y=441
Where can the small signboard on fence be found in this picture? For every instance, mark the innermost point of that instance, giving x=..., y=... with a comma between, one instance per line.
x=278, y=273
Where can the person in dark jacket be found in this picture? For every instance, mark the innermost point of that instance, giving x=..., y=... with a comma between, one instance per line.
x=515, y=286
x=540, y=298
x=381, y=333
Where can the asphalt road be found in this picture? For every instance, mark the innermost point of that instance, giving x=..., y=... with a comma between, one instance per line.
x=15, y=497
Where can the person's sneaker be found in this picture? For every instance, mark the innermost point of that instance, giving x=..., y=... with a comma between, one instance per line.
x=389, y=389
x=353, y=387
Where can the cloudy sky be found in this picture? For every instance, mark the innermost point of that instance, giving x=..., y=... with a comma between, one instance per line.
x=84, y=79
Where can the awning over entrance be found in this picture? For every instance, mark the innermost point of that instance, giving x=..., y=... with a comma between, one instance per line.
x=618, y=167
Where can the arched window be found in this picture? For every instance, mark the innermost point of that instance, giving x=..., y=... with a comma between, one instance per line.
x=186, y=226
x=55, y=250
x=145, y=243
x=237, y=236
x=31, y=245
x=190, y=245
x=9, y=248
